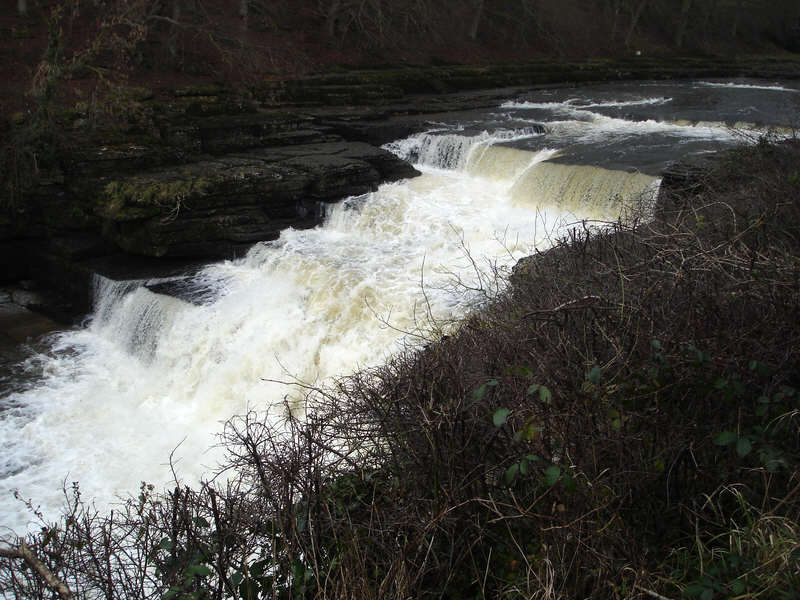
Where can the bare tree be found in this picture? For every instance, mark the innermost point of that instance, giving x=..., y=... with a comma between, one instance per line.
x=243, y=13
x=637, y=8
x=476, y=19
x=680, y=33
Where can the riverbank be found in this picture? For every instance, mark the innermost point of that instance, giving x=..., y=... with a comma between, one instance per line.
x=622, y=423
x=164, y=174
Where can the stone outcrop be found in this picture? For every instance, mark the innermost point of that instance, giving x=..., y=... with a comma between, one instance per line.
x=203, y=172
x=200, y=176
x=220, y=206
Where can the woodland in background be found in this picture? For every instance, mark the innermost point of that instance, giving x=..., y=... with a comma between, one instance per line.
x=160, y=41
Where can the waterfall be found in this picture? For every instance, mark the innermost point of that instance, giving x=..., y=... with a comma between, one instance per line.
x=156, y=372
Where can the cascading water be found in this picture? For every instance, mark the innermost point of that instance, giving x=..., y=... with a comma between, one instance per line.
x=152, y=373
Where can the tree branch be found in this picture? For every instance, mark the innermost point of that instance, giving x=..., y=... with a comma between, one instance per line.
x=25, y=553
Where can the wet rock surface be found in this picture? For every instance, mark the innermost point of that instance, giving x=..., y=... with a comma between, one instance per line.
x=205, y=171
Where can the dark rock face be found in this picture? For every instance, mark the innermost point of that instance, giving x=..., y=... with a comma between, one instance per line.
x=203, y=177
x=217, y=207
x=684, y=178
x=209, y=171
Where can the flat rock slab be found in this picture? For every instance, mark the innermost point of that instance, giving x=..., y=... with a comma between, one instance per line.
x=214, y=208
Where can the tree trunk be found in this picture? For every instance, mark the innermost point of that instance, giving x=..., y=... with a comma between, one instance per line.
x=637, y=14
x=616, y=7
x=476, y=20
x=680, y=34
x=244, y=6
x=331, y=17
x=736, y=17
x=172, y=40
x=710, y=17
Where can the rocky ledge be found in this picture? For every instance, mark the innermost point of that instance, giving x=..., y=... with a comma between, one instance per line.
x=199, y=177
x=202, y=173
x=220, y=206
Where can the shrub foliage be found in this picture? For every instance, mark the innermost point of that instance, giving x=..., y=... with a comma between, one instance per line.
x=622, y=422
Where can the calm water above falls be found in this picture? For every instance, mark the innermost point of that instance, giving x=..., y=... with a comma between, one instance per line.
x=106, y=404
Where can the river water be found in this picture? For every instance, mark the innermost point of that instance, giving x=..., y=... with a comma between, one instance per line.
x=150, y=374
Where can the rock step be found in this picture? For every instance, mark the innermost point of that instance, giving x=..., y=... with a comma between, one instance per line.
x=214, y=208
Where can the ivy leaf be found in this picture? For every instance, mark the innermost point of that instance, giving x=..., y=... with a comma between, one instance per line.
x=511, y=473
x=738, y=587
x=551, y=475
x=743, y=447
x=544, y=395
x=694, y=590
x=500, y=416
x=200, y=570
x=481, y=391
x=725, y=438
x=594, y=374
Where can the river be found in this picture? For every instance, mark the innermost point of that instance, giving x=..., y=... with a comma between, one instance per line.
x=152, y=375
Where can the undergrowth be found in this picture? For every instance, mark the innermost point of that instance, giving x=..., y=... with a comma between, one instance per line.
x=622, y=423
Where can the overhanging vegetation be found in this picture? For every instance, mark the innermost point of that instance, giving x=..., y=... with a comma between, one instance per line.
x=622, y=423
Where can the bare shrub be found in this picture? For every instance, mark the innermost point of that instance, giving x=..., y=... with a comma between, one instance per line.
x=622, y=423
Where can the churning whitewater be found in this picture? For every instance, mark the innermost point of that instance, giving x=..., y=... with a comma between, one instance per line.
x=153, y=376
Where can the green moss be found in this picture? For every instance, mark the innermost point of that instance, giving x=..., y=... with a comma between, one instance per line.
x=139, y=197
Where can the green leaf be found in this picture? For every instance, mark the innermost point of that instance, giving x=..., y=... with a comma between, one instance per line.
x=655, y=344
x=544, y=395
x=743, y=447
x=500, y=416
x=694, y=590
x=481, y=391
x=298, y=570
x=568, y=483
x=707, y=594
x=594, y=374
x=720, y=383
x=725, y=438
x=511, y=473
x=201, y=522
x=523, y=467
x=520, y=371
x=200, y=570
x=551, y=475
x=738, y=587
x=532, y=389
x=533, y=457
x=762, y=410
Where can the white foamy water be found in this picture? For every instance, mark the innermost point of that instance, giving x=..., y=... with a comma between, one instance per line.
x=582, y=125
x=748, y=86
x=152, y=373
